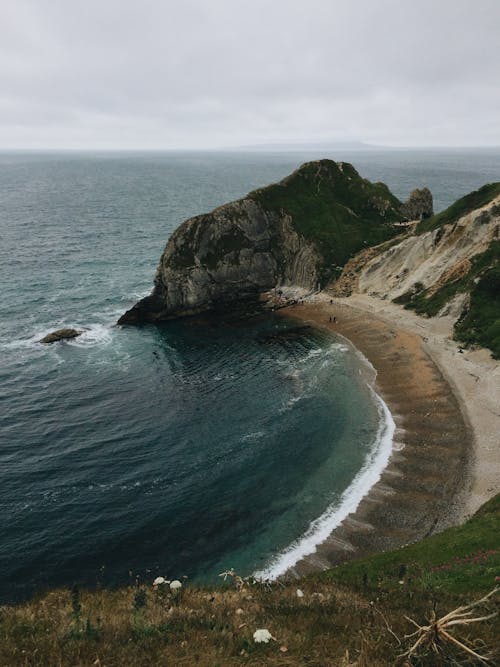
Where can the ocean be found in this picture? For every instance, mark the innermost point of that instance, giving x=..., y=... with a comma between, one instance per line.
x=183, y=449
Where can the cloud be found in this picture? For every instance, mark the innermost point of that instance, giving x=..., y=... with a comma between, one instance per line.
x=209, y=73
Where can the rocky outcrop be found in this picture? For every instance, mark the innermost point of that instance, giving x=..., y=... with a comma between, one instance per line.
x=430, y=261
x=213, y=262
x=295, y=232
x=60, y=334
x=419, y=205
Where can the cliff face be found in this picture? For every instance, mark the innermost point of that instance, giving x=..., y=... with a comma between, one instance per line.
x=429, y=261
x=295, y=232
x=228, y=257
x=449, y=265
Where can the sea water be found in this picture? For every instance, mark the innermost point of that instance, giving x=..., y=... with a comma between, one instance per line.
x=181, y=449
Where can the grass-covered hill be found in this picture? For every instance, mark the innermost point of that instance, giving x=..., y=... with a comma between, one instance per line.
x=335, y=208
x=355, y=615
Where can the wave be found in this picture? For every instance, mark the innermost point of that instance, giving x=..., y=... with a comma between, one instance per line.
x=256, y=435
x=319, y=529
x=95, y=334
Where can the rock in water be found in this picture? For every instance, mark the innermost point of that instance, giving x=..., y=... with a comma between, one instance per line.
x=419, y=205
x=60, y=334
x=295, y=232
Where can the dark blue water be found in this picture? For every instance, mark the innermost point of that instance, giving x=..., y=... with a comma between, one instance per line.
x=182, y=449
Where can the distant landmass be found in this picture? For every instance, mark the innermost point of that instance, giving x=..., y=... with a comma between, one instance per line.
x=317, y=146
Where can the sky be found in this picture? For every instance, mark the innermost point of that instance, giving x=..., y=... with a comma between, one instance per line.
x=196, y=74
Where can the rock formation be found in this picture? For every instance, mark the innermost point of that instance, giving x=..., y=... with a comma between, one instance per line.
x=60, y=334
x=419, y=205
x=227, y=257
x=296, y=232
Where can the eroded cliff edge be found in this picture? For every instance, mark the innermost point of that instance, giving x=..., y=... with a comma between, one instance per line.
x=299, y=232
x=446, y=265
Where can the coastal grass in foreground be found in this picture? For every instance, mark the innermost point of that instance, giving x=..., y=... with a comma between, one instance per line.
x=356, y=614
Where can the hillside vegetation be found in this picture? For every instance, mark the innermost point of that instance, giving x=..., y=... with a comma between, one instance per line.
x=333, y=206
x=356, y=614
x=479, y=324
x=461, y=207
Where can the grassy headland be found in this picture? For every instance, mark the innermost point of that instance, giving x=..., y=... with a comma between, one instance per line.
x=333, y=206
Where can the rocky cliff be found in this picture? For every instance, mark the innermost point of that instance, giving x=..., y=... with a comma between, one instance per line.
x=296, y=232
x=419, y=205
x=224, y=258
x=447, y=265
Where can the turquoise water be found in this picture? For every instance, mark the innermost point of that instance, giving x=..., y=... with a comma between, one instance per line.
x=181, y=449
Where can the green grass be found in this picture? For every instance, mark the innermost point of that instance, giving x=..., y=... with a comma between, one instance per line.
x=481, y=324
x=462, y=558
x=335, y=208
x=461, y=207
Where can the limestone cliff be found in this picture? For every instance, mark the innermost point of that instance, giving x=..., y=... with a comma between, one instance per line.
x=296, y=232
x=447, y=265
x=226, y=257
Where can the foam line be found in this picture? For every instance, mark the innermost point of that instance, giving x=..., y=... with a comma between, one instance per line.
x=319, y=529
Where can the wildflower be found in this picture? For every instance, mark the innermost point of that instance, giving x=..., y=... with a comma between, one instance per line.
x=175, y=586
x=262, y=635
x=300, y=594
x=159, y=581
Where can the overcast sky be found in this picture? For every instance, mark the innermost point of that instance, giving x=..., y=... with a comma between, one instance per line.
x=214, y=73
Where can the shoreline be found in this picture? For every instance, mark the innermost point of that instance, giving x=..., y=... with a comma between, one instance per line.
x=445, y=462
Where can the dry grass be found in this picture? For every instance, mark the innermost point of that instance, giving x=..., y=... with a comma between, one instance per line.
x=330, y=626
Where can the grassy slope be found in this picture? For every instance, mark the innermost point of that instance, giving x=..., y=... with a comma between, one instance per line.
x=336, y=208
x=461, y=207
x=458, y=559
x=348, y=609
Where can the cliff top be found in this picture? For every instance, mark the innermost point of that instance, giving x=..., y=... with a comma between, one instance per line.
x=333, y=206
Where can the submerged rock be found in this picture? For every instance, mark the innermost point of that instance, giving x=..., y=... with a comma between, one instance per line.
x=60, y=334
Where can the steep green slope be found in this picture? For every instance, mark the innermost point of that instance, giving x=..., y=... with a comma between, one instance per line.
x=461, y=207
x=333, y=206
x=462, y=558
x=481, y=324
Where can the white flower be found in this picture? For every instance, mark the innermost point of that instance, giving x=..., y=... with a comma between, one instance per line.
x=159, y=581
x=175, y=586
x=262, y=635
x=300, y=594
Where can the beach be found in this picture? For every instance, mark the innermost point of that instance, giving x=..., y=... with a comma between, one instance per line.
x=445, y=461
